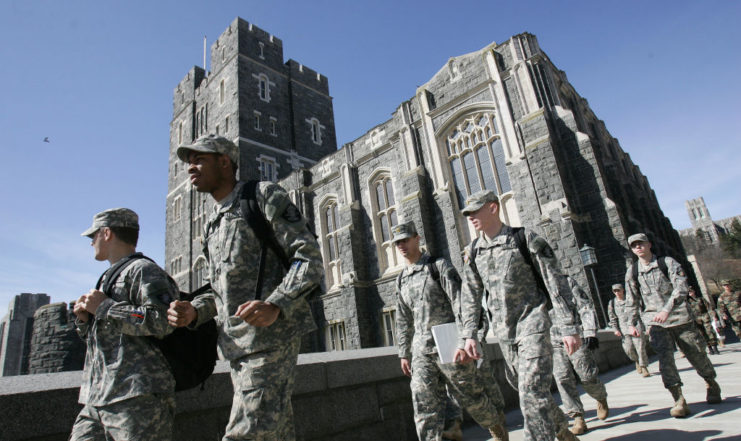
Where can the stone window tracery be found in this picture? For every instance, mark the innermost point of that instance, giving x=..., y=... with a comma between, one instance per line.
x=476, y=156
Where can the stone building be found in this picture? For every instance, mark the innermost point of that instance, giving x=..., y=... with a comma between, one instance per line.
x=703, y=225
x=55, y=345
x=16, y=330
x=502, y=118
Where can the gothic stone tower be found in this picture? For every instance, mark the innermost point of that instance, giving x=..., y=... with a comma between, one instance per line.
x=279, y=114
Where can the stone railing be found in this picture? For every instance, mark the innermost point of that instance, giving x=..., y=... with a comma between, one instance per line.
x=350, y=395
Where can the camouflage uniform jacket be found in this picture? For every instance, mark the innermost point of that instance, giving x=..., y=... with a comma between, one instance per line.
x=517, y=305
x=233, y=252
x=620, y=316
x=121, y=361
x=700, y=309
x=585, y=313
x=730, y=302
x=422, y=303
x=655, y=293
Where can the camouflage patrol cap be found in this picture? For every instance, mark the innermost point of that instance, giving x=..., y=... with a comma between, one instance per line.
x=725, y=282
x=640, y=237
x=113, y=217
x=617, y=286
x=403, y=231
x=210, y=144
x=477, y=200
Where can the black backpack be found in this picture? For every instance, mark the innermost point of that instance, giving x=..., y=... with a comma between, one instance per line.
x=191, y=353
x=518, y=233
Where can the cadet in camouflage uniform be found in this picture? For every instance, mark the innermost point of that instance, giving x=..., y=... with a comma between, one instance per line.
x=634, y=347
x=729, y=304
x=127, y=389
x=582, y=362
x=423, y=303
x=704, y=316
x=259, y=333
x=519, y=311
x=662, y=305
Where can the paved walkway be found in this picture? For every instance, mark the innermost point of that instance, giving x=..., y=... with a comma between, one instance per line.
x=639, y=407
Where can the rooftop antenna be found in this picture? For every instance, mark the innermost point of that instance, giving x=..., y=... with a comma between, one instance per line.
x=204, y=54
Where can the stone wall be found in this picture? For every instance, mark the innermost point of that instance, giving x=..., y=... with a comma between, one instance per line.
x=16, y=329
x=55, y=345
x=350, y=395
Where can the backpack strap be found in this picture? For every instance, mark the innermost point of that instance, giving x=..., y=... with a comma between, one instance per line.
x=111, y=274
x=264, y=232
x=518, y=233
x=472, y=262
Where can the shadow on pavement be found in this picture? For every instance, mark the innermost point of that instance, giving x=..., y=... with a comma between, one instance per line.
x=666, y=435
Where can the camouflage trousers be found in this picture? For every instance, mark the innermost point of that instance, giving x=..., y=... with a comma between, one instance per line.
x=263, y=385
x=467, y=384
x=635, y=348
x=705, y=328
x=529, y=368
x=452, y=409
x=688, y=341
x=736, y=326
x=146, y=418
x=583, y=363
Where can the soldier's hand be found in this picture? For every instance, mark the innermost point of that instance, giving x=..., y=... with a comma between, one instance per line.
x=258, y=313
x=93, y=299
x=181, y=313
x=471, y=349
x=406, y=367
x=79, y=310
x=634, y=332
x=572, y=343
x=661, y=317
x=461, y=357
x=618, y=334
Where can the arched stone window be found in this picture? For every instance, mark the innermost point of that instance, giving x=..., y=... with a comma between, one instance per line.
x=330, y=243
x=199, y=272
x=476, y=156
x=384, y=218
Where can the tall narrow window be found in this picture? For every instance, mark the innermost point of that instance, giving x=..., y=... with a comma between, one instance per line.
x=261, y=46
x=257, y=120
x=315, y=128
x=200, y=214
x=331, y=244
x=388, y=323
x=336, y=339
x=476, y=157
x=263, y=86
x=273, y=126
x=221, y=92
x=199, y=273
x=384, y=206
x=177, y=205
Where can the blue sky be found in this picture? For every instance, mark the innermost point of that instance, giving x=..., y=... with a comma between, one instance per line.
x=97, y=78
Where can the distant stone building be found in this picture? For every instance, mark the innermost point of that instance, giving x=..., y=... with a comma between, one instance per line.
x=703, y=225
x=502, y=118
x=705, y=252
x=15, y=333
x=55, y=345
